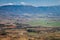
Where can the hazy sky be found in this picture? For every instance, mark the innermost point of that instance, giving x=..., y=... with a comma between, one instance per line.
x=31, y=2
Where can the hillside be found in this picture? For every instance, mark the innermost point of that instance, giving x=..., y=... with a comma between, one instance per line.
x=28, y=14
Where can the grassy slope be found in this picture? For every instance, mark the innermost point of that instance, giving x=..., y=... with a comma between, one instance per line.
x=45, y=23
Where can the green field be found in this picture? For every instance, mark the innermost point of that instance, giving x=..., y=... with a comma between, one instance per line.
x=45, y=23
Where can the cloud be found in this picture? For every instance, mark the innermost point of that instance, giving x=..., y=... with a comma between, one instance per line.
x=10, y=4
x=23, y=3
x=7, y=4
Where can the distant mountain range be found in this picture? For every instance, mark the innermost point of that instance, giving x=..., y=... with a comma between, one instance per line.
x=24, y=13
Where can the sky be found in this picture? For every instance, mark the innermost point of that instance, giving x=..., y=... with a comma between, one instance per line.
x=30, y=2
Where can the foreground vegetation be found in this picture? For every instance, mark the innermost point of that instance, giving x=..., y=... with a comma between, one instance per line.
x=25, y=32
